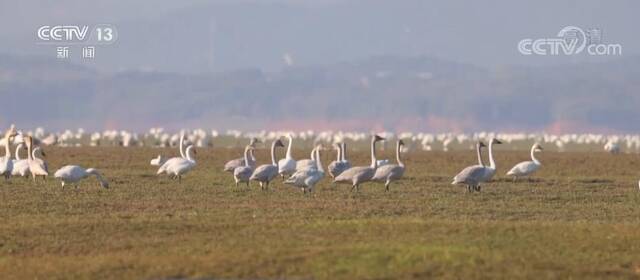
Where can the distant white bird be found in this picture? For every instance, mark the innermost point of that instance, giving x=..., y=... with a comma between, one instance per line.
x=182, y=166
x=6, y=163
x=391, y=172
x=37, y=166
x=287, y=165
x=72, y=174
x=158, y=161
x=526, y=168
x=360, y=174
x=231, y=165
x=266, y=172
x=306, y=179
x=612, y=147
x=243, y=173
x=472, y=175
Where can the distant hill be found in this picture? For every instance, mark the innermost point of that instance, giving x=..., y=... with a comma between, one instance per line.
x=380, y=92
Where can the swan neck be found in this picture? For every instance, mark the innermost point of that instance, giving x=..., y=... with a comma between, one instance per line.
x=398, y=146
x=479, y=153
x=343, y=149
x=273, y=154
x=289, y=146
x=491, y=161
x=374, y=162
x=339, y=156
x=246, y=156
x=318, y=161
x=20, y=147
x=7, y=150
x=181, y=145
x=190, y=153
x=533, y=155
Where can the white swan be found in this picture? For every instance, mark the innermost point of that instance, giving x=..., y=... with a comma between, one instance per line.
x=526, y=168
x=6, y=163
x=183, y=165
x=72, y=174
x=391, y=172
x=306, y=179
x=341, y=163
x=287, y=165
x=20, y=165
x=360, y=174
x=158, y=161
x=307, y=163
x=37, y=166
x=472, y=175
x=490, y=170
x=231, y=165
x=171, y=161
x=266, y=172
x=243, y=173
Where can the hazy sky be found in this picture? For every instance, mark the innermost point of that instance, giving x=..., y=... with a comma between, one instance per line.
x=214, y=36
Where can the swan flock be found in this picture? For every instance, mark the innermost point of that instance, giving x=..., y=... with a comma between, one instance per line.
x=29, y=160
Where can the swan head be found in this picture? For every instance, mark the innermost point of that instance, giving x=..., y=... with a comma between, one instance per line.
x=400, y=142
x=377, y=138
x=495, y=141
x=537, y=148
x=481, y=144
x=254, y=141
x=278, y=143
x=11, y=132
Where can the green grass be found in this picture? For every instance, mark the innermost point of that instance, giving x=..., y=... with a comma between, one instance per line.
x=578, y=218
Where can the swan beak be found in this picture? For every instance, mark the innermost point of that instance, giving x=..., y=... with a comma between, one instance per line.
x=496, y=141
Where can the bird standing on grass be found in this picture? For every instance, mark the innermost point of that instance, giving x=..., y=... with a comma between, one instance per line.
x=72, y=174
x=360, y=174
x=391, y=172
x=526, y=168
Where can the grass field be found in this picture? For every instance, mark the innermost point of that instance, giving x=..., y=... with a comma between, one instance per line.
x=579, y=217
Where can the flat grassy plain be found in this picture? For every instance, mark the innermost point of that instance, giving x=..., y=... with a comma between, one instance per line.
x=579, y=217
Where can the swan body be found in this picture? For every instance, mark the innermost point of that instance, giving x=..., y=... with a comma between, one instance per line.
x=391, y=172
x=472, y=175
x=182, y=166
x=266, y=172
x=231, y=165
x=526, y=168
x=6, y=163
x=382, y=162
x=243, y=173
x=306, y=179
x=287, y=165
x=72, y=174
x=360, y=174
